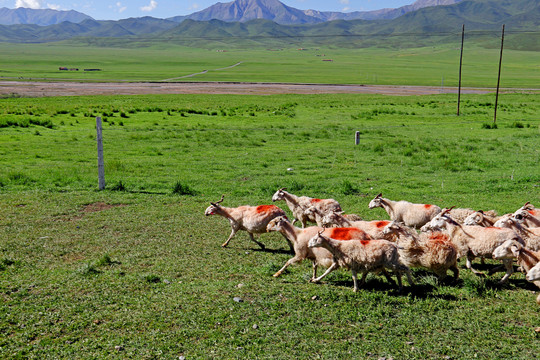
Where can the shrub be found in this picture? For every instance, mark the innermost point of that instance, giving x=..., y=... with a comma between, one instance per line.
x=119, y=186
x=182, y=189
x=489, y=126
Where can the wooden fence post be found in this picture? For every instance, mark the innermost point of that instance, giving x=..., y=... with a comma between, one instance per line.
x=460, y=67
x=357, y=138
x=101, y=164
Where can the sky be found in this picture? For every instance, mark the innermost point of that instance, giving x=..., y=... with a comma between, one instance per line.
x=122, y=9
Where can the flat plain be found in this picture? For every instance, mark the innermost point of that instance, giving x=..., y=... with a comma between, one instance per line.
x=137, y=270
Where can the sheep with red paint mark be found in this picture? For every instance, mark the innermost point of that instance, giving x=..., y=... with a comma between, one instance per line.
x=413, y=215
x=252, y=219
x=362, y=256
x=531, y=236
x=474, y=241
x=299, y=204
x=300, y=238
x=373, y=228
x=529, y=214
x=433, y=251
x=528, y=260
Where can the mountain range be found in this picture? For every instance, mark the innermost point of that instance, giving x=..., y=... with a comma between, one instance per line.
x=238, y=10
x=425, y=22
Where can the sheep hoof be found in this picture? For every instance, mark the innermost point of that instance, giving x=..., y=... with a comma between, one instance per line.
x=223, y=245
x=276, y=274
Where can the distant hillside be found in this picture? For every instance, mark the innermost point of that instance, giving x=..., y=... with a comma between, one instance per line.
x=246, y=10
x=423, y=27
x=42, y=17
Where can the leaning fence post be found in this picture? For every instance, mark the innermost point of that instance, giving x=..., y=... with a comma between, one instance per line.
x=101, y=165
x=357, y=138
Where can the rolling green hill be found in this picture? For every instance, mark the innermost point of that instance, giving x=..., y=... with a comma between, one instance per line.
x=425, y=27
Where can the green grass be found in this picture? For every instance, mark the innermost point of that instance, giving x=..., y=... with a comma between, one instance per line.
x=137, y=271
x=433, y=66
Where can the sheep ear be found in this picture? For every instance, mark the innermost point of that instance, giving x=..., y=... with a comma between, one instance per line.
x=378, y=196
x=481, y=212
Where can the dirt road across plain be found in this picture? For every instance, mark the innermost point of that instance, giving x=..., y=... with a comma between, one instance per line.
x=66, y=88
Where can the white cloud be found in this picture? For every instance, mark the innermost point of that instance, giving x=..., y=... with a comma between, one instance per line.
x=150, y=7
x=194, y=6
x=36, y=4
x=344, y=2
x=121, y=8
x=54, y=6
x=32, y=4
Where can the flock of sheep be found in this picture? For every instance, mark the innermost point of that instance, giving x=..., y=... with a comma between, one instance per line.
x=418, y=235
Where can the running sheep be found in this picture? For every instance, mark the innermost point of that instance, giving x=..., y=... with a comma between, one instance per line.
x=362, y=256
x=252, y=219
x=413, y=215
x=299, y=204
x=474, y=241
x=433, y=251
x=300, y=238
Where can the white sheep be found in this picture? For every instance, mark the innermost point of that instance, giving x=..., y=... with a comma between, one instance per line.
x=480, y=218
x=373, y=228
x=361, y=256
x=299, y=204
x=300, y=238
x=534, y=273
x=474, y=241
x=252, y=219
x=315, y=213
x=528, y=261
x=433, y=250
x=529, y=214
x=531, y=236
x=413, y=215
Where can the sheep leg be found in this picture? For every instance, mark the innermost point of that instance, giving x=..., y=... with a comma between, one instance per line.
x=257, y=242
x=355, y=280
x=388, y=277
x=328, y=271
x=233, y=232
x=455, y=271
x=291, y=245
x=469, y=266
x=509, y=270
x=292, y=260
x=363, y=278
x=314, y=275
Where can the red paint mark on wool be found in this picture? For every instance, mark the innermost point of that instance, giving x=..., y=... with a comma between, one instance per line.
x=265, y=208
x=381, y=224
x=346, y=233
x=314, y=201
x=364, y=242
x=427, y=206
x=534, y=212
x=438, y=237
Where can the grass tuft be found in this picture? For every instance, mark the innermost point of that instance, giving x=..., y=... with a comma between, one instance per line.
x=182, y=189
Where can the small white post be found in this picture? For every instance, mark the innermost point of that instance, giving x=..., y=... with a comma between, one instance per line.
x=101, y=165
x=357, y=138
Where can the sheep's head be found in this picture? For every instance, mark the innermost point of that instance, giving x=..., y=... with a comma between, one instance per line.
x=376, y=202
x=393, y=228
x=279, y=195
x=505, y=221
x=214, y=207
x=534, y=273
x=330, y=219
x=317, y=240
x=508, y=250
x=521, y=215
x=440, y=221
x=277, y=223
x=474, y=219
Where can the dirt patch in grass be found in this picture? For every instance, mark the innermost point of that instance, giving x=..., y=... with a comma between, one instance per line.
x=99, y=206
